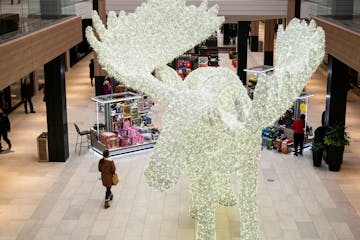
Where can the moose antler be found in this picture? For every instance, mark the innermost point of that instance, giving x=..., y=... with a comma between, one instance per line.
x=299, y=51
x=134, y=45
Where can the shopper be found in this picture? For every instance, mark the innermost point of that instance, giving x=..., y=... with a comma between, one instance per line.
x=107, y=87
x=107, y=169
x=27, y=92
x=299, y=126
x=91, y=71
x=4, y=128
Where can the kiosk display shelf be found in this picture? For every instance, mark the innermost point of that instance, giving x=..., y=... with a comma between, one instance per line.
x=126, y=124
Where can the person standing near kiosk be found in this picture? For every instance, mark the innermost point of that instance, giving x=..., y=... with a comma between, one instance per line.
x=299, y=126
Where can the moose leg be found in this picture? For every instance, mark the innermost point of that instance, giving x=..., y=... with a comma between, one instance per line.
x=205, y=203
x=227, y=196
x=205, y=229
x=195, y=200
x=247, y=180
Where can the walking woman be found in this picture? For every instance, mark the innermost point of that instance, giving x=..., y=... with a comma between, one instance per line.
x=107, y=169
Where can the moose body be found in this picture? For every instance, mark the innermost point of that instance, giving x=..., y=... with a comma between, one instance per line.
x=211, y=128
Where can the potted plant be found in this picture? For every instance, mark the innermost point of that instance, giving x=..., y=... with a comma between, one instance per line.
x=336, y=138
x=317, y=149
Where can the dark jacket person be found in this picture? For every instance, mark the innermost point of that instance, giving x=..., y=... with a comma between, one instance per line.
x=27, y=92
x=4, y=128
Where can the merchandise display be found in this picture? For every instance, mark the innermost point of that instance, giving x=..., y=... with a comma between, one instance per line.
x=209, y=49
x=127, y=125
x=208, y=99
x=207, y=56
x=203, y=61
x=280, y=136
x=257, y=72
x=185, y=64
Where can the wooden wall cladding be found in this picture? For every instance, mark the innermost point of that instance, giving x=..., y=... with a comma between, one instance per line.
x=269, y=35
x=341, y=43
x=23, y=55
x=290, y=10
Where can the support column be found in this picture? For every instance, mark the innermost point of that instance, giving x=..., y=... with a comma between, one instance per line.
x=290, y=11
x=269, y=42
x=338, y=85
x=254, y=38
x=99, y=74
x=226, y=34
x=242, y=36
x=294, y=9
x=336, y=93
x=298, y=8
x=58, y=142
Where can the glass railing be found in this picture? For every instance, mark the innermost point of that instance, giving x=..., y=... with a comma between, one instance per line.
x=327, y=6
x=19, y=17
x=345, y=13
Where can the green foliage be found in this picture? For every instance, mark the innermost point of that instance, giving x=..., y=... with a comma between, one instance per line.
x=336, y=135
x=317, y=147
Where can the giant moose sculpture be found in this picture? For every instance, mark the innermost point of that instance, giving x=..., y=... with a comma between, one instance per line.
x=211, y=128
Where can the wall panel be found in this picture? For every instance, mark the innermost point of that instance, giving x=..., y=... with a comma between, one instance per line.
x=341, y=43
x=25, y=54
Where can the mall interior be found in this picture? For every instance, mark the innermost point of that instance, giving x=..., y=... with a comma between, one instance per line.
x=50, y=187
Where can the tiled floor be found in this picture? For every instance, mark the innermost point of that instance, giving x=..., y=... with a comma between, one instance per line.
x=64, y=200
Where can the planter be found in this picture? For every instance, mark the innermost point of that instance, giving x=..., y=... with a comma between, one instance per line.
x=317, y=157
x=334, y=158
x=324, y=156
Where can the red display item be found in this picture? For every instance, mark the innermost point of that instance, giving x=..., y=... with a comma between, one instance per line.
x=125, y=141
x=207, y=52
x=277, y=143
x=189, y=64
x=181, y=64
x=180, y=72
x=140, y=139
x=203, y=65
x=285, y=146
x=106, y=135
x=112, y=142
x=234, y=63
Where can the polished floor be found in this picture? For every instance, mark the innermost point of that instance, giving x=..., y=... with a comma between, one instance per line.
x=65, y=200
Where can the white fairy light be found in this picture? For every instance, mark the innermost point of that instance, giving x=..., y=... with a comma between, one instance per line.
x=211, y=128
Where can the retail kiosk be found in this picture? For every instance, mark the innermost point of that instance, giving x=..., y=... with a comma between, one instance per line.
x=123, y=124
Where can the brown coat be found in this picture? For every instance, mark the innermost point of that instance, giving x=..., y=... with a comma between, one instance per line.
x=107, y=169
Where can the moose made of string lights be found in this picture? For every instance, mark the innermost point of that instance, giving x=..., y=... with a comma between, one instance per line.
x=211, y=128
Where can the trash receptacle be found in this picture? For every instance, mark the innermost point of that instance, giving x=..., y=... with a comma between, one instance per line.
x=42, y=143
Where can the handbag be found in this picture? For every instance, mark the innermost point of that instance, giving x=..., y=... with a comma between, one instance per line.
x=115, y=179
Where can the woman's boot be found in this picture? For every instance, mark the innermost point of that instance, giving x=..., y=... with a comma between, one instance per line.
x=106, y=204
